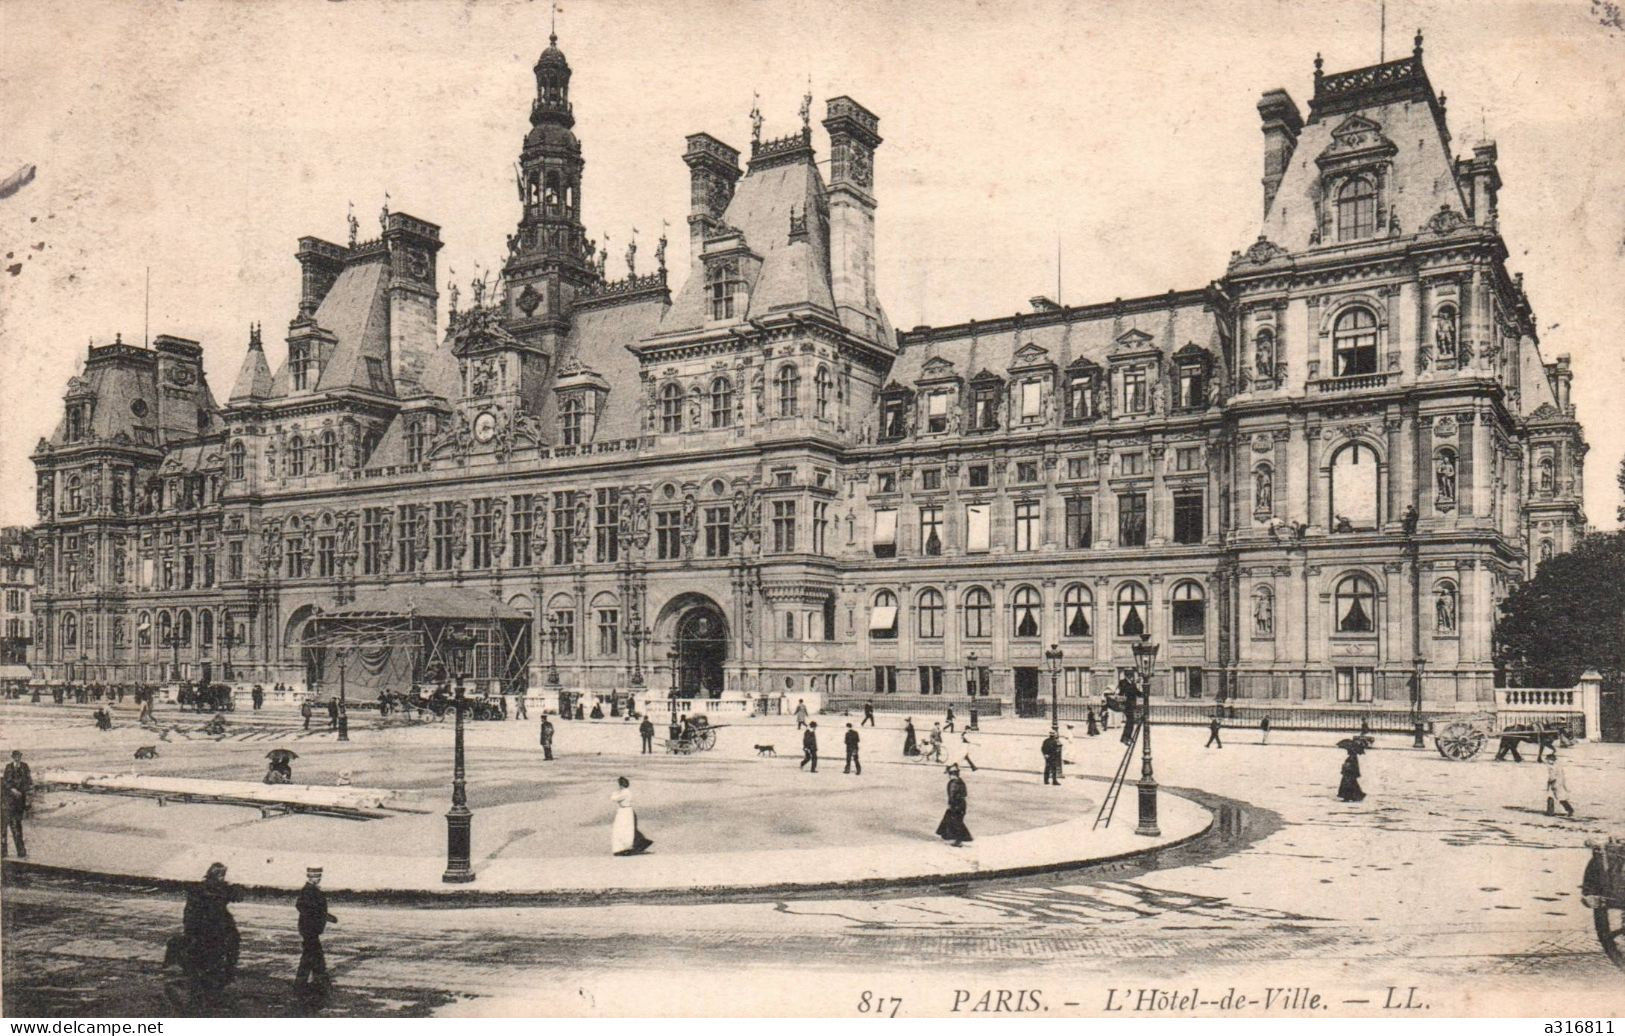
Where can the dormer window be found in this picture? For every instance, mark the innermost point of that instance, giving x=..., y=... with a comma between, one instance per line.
x=1032, y=401
x=417, y=440
x=330, y=451
x=1080, y=397
x=788, y=383
x=571, y=412
x=984, y=408
x=893, y=417
x=671, y=408
x=823, y=386
x=78, y=418
x=72, y=495
x=1135, y=396
x=723, y=286
x=722, y=402
x=936, y=411
x=1191, y=387
x=296, y=456
x=1356, y=209
x=239, y=462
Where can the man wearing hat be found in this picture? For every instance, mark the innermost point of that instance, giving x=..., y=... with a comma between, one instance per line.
x=547, y=738
x=313, y=920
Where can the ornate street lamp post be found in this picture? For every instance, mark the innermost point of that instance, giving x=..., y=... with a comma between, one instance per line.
x=672, y=656
x=971, y=685
x=552, y=650
x=635, y=635
x=228, y=637
x=344, y=713
x=459, y=819
x=1053, y=657
x=1145, y=660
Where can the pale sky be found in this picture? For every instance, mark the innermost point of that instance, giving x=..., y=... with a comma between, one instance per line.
x=202, y=139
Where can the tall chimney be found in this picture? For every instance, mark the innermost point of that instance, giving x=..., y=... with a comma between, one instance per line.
x=713, y=169
x=1486, y=182
x=854, y=133
x=412, y=244
x=1282, y=124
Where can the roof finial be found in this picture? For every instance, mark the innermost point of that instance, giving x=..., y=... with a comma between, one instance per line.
x=632, y=255
x=755, y=119
x=553, y=26
x=1416, y=51
x=1318, y=63
x=806, y=108
x=660, y=249
x=383, y=214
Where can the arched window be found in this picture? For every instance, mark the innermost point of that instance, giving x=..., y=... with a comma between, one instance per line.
x=883, y=616
x=823, y=386
x=1356, y=604
x=330, y=451
x=789, y=625
x=978, y=606
x=570, y=415
x=1024, y=612
x=928, y=618
x=1354, y=342
x=239, y=461
x=205, y=628
x=722, y=402
x=70, y=630
x=1131, y=604
x=1356, y=209
x=1446, y=599
x=671, y=407
x=166, y=629
x=296, y=455
x=788, y=381
x=1189, y=607
x=73, y=497
x=722, y=286
x=143, y=630
x=1445, y=327
x=1354, y=488
x=1076, y=604
x=183, y=628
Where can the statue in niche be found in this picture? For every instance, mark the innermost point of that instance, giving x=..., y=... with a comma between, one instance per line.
x=1263, y=491
x=1444, y=474
x=694, y=409
x=1444, y=608
x=758, y=387
x=1548, y=477
x=1444, y=333
x=1263, y=613
x=1264, y=355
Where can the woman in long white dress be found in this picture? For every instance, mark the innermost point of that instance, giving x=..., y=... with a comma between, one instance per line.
x=624, y=837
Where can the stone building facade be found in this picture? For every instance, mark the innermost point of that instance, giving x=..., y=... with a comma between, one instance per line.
x=16, y=600
x=1311, y=480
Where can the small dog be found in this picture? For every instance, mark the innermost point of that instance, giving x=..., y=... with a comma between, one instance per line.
x=766, y=750
x=147, y=752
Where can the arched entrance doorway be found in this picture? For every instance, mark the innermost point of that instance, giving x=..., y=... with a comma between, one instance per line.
x=702, y=648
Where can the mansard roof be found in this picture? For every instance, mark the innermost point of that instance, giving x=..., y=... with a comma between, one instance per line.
x=355, y=312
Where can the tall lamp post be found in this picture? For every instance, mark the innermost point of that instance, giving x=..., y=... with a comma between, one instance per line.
x=228, y=637
x=552, y=651
x=1145, y=661
x=459, y=819
x=344, y=712
x=635, y=635
x=672, y=656
x=172, y=641
x=1053, y=658
x=971, y=686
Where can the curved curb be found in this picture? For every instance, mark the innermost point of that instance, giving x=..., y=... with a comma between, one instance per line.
x=461, y=897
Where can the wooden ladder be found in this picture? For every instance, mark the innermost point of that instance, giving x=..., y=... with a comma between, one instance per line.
x=1108, y=805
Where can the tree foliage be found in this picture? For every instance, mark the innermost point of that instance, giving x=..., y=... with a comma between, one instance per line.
x=1569, y=618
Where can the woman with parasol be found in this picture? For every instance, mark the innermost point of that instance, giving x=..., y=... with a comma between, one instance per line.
x=1349, y=789
x=280, y=769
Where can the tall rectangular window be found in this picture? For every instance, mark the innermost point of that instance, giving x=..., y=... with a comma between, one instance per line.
x=1080, y=397
x=294, y=556
x=606, y=525
x=326, y=555
x=784, y=526
x=885, y=679
x=976, y=529
x=564, y=623
x=885, y=539
x=1131, y=520
x=208, y=569
x=1187, y=458
x=408, y=525
x=234, y=559
x=1134, y=391
x=564, y=511
x=1026, y=521
x=1032, y=400
x=373, y=521
x=931, y=531
x=1187, y=681
x=820, y=527
x=1075, y=682
x=1355, y=683
x=609, y=632
x=1188, y=517
x=523, y=535
x=483, y=533
x=669, y=534
x=444, y=534
x=718, y=531
x=936, y=411
x=984, y=409
x=930, y=679
x=1080, y=522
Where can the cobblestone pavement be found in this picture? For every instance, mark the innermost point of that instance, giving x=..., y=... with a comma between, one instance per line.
x=1449, y=878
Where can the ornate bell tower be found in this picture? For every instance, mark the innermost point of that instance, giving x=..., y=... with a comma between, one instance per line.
x=549, y=257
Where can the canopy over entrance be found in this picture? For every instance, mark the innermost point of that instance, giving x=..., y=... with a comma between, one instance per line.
x=391, y=639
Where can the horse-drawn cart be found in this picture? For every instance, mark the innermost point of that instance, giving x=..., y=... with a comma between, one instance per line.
x=1461, y=739
x=698, y=734
x=1603, y=890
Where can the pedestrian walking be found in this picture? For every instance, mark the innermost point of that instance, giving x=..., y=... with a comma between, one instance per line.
x=868, y=714
x=646, y=731
x=911, y=747
x=212, y=940
x=258, y=696
x=313, y=921
x=624, y=837
x=1557, y=787
x=305, y=710
x=933, y=749
x=1349, y=788
x=801, y=713
x=952, y=829
x=1213, y=733
x=809, y=747
x=332, y=714
x=1264, y=730
x=1050, y=749
x=1105, y=716
x=949, y=724
x=1093, y=729
x=15, y=789
x=852, y=752
x=959, y=752
x=547, y=738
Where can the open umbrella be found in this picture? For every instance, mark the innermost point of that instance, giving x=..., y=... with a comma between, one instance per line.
x=1354, y=744
x=281, y=755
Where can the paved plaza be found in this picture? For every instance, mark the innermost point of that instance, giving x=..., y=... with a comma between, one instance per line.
x=1449, y=877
